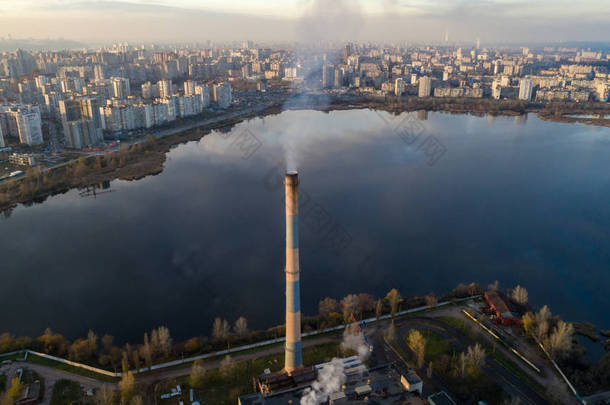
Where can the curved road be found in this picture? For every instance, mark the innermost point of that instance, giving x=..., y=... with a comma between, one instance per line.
x=509, y=382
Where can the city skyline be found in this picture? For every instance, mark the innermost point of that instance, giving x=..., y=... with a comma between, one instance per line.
x=500, y=21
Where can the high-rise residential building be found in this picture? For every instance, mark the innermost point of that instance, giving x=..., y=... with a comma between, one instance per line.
x=2, y=144
x=290, y=72
x=98, y=72
x=165, y=88
x=29, y=126
x=189, y=87
x=525, y=89
x=347, y=52
x=496, y=89
x=51, y=101
x=327, y=76
x=171, y=69
x=222, y=94
x=189, y=105
x=22, y=121
x=41, y=81
x=81, y=121
x=172, y=107
x=203, y=92
x=425, y=86
x=148, y=90
x=120, y=88
x=338, y=79
x=399, y=86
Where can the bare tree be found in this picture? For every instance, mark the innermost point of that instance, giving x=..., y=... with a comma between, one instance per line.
x=147, y=351
x=92, y=340
x=349, y=304
x=461, y=363
x=126, y=386
x=107, y=341
x=560, y=340
x=155, y=345
x=520, y=295
x=241, y=326
x=220, y=329
x=542, y=330
x=13, y=392
x=417, y=343
x=197, y=374
x=542, y=322
x=431, y=300
x=394, y=299
x=104, y=395
x=165, y=341
x=378, y=308
x=327, y=306
x=476, y=358
x=461, y=290
x=226, y=366
x=474, y=289
x=135, y=357
x=529, y=323
x=544, y=314
x=366, y=303
x=125, y=362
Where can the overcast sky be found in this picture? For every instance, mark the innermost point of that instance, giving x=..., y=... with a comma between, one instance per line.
x=306, y=20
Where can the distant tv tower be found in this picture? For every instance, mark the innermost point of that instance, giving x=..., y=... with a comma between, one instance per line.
x=446, y=36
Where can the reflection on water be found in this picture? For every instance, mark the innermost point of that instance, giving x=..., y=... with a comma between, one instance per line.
x=521, y=201
x=94, y=190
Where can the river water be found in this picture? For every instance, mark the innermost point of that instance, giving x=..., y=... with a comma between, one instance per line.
x=419, y=202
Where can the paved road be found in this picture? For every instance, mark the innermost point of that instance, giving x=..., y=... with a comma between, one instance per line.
x=509, y=382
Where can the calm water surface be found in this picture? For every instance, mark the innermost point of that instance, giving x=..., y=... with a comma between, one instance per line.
x=522, y=201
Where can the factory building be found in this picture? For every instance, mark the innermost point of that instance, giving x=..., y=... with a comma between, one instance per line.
x=500, y=309
x=378, y=385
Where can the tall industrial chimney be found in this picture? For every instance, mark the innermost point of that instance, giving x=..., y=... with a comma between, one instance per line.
x=294, y=358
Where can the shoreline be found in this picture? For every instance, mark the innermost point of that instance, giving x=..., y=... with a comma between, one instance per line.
x=135, y=162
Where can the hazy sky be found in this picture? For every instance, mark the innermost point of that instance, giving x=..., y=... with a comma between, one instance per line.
x=304, y=20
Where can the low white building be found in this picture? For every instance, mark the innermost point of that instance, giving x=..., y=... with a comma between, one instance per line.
x=412, y=382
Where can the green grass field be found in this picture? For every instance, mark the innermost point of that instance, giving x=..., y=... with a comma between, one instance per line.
x=497, y=355
x=65, y=392
x=219, y=388
x=436, y=345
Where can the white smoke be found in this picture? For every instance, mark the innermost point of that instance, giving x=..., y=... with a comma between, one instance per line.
x=330, y=379
x=332, y=376
x=354, y=339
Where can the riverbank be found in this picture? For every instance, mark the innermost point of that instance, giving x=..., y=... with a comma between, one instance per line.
x=144, y=158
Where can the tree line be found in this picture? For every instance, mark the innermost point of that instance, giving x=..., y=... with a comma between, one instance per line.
x=158, y=346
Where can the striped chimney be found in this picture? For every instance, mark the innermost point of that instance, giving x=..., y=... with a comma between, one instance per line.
x=294, y=358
